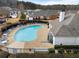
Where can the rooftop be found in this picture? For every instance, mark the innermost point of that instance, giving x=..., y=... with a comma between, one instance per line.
x=67, y=28
x=43, y=13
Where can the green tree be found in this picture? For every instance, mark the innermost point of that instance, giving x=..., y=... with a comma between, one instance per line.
x=23, y=16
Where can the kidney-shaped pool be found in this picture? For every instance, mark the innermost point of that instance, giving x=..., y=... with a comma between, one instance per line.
x=27, y=34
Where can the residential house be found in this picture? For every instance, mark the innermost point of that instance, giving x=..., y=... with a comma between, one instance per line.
x=67, y=31
x=43, y=14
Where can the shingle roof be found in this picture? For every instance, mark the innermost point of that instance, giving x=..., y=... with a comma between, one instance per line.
x=71, y=30
x=44, y=13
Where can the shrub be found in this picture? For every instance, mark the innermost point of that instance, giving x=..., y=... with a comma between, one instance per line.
x=51, y=50
x=75, y=51
x=61, y=50
x=67, y=46
x=68, y=51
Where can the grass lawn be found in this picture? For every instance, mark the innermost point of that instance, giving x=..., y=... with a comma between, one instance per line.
x=11, y=20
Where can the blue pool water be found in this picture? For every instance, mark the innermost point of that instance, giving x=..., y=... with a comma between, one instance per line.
x=27, y=34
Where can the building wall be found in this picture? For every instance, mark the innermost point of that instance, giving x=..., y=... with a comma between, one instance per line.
x=66, y=40
x=53, y=17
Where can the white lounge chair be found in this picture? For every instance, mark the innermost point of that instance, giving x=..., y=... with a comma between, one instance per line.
x=4, y=42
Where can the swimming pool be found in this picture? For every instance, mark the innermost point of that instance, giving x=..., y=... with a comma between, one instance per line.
x=27, y=34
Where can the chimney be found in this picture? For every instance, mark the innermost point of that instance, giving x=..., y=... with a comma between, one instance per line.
x=61, y=15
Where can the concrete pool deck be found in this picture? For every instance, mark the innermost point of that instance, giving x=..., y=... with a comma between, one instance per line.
x=40, y=42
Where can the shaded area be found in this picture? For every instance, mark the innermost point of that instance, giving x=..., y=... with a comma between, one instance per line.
x=3, y=54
